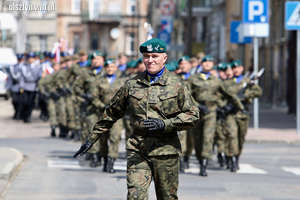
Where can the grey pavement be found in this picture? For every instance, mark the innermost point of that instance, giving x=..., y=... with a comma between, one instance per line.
x=51, y=173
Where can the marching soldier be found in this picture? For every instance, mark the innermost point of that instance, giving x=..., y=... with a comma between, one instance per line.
x=159, y=105
x=246, y=90
x=206, y=89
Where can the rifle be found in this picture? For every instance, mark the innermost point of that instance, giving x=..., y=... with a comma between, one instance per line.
x=85, y=147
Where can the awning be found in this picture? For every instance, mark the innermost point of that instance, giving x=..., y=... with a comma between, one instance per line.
x=8, y=22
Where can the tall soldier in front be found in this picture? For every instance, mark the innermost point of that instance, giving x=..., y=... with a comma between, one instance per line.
x=159, y=105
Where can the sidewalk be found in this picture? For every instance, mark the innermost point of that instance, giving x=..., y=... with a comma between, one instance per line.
x=274, y=126
x=10, y=160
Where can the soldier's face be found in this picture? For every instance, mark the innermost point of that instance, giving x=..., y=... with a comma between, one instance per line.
x=238, y=70
x=123, y=60
x=141, y=67
x=222, y=75
x=111, y=69
x=207, y=66
x=98, y=61
x=154, y=62
x=185, y=66
x=83, y=58
x=56, y=67
x=229, y=73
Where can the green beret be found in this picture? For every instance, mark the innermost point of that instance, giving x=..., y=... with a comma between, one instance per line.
x=222, y=66
x=236, y=63
x=132, y=64
x=207, y=58
x=172, y=66
x=153, y=45
x=138, y=61
x=186, y=58
x=94, y=54
x=109, y=61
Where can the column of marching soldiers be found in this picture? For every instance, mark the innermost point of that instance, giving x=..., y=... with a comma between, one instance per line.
x=73, y=93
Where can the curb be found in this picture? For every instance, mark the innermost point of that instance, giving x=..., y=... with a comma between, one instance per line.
x=7, y=169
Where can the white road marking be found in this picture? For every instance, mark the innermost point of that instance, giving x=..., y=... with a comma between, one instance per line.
x=294, y=170
x=249, y=169
x=74, y=164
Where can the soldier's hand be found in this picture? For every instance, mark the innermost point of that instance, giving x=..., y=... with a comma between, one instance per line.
x=203, y=109
x=153, y=125
x=83, y=149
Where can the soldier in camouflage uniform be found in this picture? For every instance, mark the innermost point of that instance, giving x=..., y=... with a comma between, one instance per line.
x=229, y=131
x=206, y=90
x=246, y=90
x=102, y=91
x=81, y=89
x=185, y=136
x=45, y=86
x=159, y=105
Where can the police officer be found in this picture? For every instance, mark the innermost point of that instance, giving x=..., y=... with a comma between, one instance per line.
x=159, y=105
x=13, y=85
x=30, y=74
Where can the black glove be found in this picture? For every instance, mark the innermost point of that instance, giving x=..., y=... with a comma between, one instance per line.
x=153, y=125
x=203, y=109
x=68, y=91
x=88, y=97
x=83, y=149
x=54, y=96
x=229, y=108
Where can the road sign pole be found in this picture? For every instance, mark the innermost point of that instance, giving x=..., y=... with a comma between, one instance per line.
x=255, y=54
x=298, y=82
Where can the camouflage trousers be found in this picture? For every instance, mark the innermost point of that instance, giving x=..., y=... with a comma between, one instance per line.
x=242, y=124
x=142, y=169
x=52, y=110
x=220, y=136
x=61, y=110
x=109, y=143
x=204, y=133
x=71, y=120
x=187, y=142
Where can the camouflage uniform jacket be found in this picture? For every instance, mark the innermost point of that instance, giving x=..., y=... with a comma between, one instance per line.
x=246, y=92
x=102, y=92
x=167, y=99
x=209, y=91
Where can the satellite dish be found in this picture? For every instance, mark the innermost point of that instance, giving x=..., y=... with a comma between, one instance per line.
x=114, y=33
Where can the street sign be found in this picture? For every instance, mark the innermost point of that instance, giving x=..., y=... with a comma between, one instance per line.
x=292, y=22
x=292, y=15
x=255, y=11
x=256, y=18
x=237, y=33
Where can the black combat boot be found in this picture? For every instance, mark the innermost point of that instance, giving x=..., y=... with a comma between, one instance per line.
x=95, y=160
x=186, y=162
x=88, y=156
x=105, y=164
x=63, y=131
x=237, y=162
x=52, y=133
x=227, y=159
x=181, y=165
x=203, y=166
x=110, y=164
x=232, y=161
x=75, y=135
x=221, y=159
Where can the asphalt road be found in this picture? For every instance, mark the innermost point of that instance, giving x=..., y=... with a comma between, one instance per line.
x=268, y=171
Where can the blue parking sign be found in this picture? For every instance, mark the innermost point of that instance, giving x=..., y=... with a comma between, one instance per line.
x=255, y=11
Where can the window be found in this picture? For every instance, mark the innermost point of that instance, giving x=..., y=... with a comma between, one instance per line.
x=94, y=8
x=94, y=41
x=131, y=9
x=76, y=6
x=43, y=43
x=130, y=44
x=76, y=42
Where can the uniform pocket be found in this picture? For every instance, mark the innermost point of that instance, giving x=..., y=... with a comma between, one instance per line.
x=169, y=103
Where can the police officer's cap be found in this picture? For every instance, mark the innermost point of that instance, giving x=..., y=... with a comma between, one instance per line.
x=236, y=63
x=20, y=56
x=109, y=61
x=183, y=58
x=153, y=45
x=30, y=55
x=207, y=58
x=51, y=55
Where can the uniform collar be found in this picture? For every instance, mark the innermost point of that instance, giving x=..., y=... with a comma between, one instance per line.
x=163, y=80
